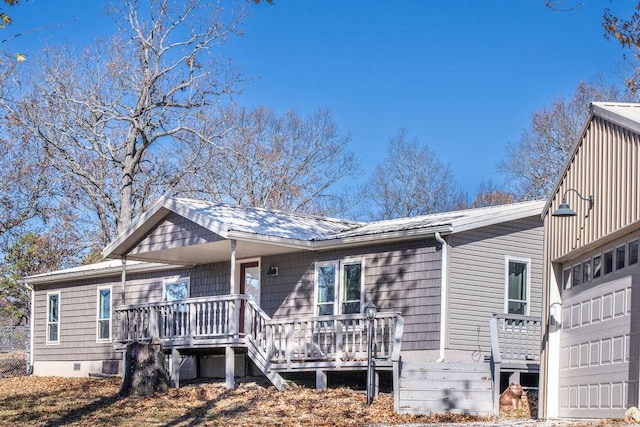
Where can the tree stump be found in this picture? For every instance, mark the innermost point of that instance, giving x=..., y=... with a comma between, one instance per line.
x=144, y=370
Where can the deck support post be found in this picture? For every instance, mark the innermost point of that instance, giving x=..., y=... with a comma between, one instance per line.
x=495, y=370
x=321, y=379
x=175, y=368
x=397, y=365
x=376, y=383
x=230, y=365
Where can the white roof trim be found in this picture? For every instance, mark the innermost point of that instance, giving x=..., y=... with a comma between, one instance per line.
x=100, y=269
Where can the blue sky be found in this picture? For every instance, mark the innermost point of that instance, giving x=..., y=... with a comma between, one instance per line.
x=462, y=76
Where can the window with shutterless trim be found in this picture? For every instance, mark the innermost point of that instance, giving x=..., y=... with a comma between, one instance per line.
x=633, y=252
x=104, y=314
x=608, y=262
x=53, y=318
x=597, y=266
x=517, y=286
x=620, y=257
x=339, y=287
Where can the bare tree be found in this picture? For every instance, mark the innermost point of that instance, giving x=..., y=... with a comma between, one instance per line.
x=534, y=163
x=25, y=177
x=110, y=119
x=410, y=181
x=627, y=33
x=285, y=162
x=491, y=195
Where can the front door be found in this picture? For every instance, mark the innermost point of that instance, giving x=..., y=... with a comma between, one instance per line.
x=249, y=285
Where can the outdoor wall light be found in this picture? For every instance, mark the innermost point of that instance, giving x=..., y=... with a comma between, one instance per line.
x=370, y=310
x=273, y=270
x=564, y=210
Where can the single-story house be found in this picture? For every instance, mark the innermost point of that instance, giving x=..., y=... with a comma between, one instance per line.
x=591, y=365
x=231, y=290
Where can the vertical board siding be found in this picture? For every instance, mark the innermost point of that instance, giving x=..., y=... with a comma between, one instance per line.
x=605, y=165
x=174, y=231
x=400, y=277
x=477, y=278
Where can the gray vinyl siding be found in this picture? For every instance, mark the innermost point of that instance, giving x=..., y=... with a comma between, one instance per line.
x=400, y=277
x=174, y=231
x=78, y=308
x=78, y=322
x=477, y=278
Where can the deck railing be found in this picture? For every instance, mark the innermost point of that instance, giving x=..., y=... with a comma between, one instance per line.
x=337, y=339
x=207, y=317
x=515, y=338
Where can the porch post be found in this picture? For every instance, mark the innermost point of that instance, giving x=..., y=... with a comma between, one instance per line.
x=230, y=365
x=123, y=278
x=232, y=278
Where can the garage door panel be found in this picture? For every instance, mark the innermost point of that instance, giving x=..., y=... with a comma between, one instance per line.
x=595, y=345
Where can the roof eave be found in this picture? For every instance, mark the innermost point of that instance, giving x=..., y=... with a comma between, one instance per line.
x=385, y=237
x=56, y=277
x=485, y=221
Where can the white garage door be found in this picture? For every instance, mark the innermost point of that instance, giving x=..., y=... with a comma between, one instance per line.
x=596, y=378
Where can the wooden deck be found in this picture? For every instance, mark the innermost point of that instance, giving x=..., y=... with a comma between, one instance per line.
x=274, y=345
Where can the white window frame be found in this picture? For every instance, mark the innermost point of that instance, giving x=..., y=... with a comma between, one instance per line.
x=98, y=311
x=49, y=323
x=176, y=279
x=526, y=261
x=339, y=285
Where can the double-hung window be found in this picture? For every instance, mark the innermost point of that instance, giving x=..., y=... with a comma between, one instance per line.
x=175, y=289
x=104, y=314
x=339, y=287
x=517, y=284
x=53, y=318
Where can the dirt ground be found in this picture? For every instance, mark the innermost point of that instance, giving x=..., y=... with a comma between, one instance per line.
x=53, y=401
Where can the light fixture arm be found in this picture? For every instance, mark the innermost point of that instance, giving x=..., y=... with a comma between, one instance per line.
x=586, y=199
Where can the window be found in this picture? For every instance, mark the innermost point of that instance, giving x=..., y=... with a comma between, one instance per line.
x=517, y=292
x=597, y=265
x=175, y=289
x=104, y=314
x=608, y=262
x=351, y=288
x=566, y=279
x=633, y=252
x=620, y=258
x=326, y=284
x=53, y=318
x=576, y=275
x=339, y=287
x=586, y=271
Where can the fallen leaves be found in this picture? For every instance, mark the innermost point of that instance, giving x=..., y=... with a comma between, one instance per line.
x=90, y=401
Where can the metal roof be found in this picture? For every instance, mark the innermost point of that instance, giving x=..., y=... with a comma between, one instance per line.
x=271, y=229
x=626, y=115
x=453, y=222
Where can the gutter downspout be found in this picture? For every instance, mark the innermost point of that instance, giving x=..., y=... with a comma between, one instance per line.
x=31, y=326
x=444, y=287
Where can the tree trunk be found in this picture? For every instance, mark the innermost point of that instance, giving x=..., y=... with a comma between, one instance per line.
x=144, y=370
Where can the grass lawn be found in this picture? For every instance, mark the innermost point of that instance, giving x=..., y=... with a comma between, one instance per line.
x=50, y=401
